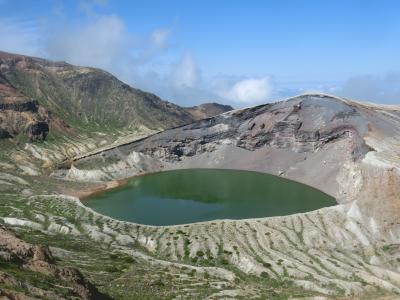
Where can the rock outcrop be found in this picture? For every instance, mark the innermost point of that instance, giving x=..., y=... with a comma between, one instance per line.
x=16, y=254
x=24, y=118
x=20, y=115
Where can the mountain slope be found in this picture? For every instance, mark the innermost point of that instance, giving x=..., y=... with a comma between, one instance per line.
x=207, y=110
x=31, y=272
x=20, y=114
x=82, y=97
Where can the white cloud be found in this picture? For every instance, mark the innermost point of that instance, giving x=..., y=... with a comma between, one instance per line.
x=98, y=43
x=383, y=89
x=249, y=90
x=104, y=41
x=186, y=74
x=19, y=36
x=145, y=61
x=373, y=88
x=89, y=6
x=153, y=45
x=159, y=38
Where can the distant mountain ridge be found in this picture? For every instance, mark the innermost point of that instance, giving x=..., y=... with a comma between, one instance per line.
x=207, y=110
x=38, y=96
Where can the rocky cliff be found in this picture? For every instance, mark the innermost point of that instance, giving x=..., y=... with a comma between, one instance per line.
x=30, y=272
x=20, y=115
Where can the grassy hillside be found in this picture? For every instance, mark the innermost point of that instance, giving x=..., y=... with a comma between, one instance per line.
x=88, y=98
x=82, y=96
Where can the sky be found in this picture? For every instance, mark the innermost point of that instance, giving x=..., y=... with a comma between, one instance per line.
x=234, y=52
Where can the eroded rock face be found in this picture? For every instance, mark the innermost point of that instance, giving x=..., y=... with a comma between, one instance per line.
x=304, y=124
x=39, y=259
x=38, y=131
x=23, y=118
x=29, y=106
x=20, y=115
x=4, y=134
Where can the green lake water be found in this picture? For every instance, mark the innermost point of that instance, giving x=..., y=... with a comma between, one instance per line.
x=194, y=195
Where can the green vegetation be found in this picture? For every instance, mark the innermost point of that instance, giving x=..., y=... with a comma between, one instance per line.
x=37, y=280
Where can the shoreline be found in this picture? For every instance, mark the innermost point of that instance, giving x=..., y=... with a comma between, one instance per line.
x=101, y=188
x=109, y=185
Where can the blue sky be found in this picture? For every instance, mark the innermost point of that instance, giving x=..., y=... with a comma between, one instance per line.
x=236, y=52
